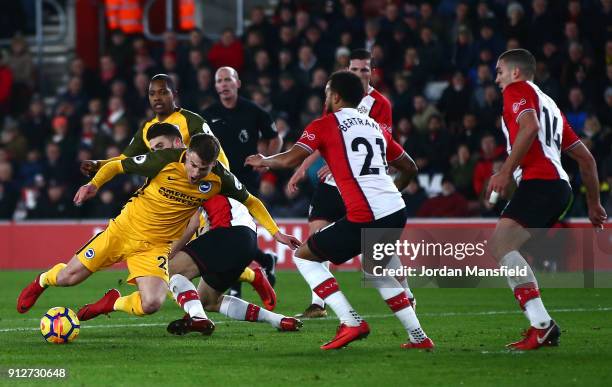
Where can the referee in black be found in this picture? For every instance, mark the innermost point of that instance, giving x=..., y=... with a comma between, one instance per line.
x=243, y=129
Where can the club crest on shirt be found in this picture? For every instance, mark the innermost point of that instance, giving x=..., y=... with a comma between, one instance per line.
x=243, y=136
x=90, y=253
x=517, y=105
x=205, y=187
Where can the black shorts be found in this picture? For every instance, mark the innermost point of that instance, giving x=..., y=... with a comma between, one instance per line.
x=539, y=203
x=326, y=204
x=222, y=254
x=341, y=240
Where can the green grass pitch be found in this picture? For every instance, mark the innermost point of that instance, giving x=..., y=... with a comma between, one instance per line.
x=469, y=326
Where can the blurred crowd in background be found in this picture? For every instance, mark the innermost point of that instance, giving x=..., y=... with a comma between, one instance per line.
x=434, y=60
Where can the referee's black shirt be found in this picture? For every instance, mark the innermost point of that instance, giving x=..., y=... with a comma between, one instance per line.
x=239, y=130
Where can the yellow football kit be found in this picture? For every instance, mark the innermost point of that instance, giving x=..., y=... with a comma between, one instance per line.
x=159, y=211
x=187, y=122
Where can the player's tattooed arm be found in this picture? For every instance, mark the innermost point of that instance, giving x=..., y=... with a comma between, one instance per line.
x=407, y=169
x=289, y=159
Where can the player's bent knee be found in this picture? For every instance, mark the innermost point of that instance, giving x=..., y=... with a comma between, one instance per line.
x=151, y=305
x=304, y=252
x=300, y=252
x=152, y=301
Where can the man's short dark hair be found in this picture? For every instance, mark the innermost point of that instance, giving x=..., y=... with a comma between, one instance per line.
x=163, y=129
x=166, y=78
x=206, y=146
x=360, y=54
x=348, y=86
x=521, y=58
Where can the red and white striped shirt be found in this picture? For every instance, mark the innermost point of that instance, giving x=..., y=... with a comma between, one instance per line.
x=376, y=106
x=357, y=150
x=221, y=211
x=543, y=159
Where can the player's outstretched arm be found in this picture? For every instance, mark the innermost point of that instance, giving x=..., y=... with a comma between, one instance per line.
x=259, y=212
x=588, y=172
x=270, y=146
x=289, y=159
x=106, y=173
x=231, y=187
x=300, y=172
x=528, y=131
x=85, y=193
x=407, y=169
x=90, y=167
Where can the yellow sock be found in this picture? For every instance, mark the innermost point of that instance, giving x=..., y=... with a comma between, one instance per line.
x=131, y=304
x=49, y=278
x=247, y=275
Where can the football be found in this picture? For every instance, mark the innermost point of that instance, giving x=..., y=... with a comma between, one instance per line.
x=60, y=325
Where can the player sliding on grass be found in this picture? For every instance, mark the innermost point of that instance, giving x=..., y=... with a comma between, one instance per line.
x=536, y=133
x=219, y=254
x=163, y=102
x=163, y=136
x=356, y=150
x=178, y=181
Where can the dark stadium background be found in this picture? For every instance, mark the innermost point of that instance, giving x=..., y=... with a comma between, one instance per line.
x=72, y=89
x=78, y=90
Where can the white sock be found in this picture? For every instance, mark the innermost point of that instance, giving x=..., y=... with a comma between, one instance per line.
x=537, y=314
x=186, y=295
x=395, y=263
x=239, y=309
x=397, y=299
x=316, y=299
x=515, y=261
x=300, y=266
x=323, y=283
x=534, y=309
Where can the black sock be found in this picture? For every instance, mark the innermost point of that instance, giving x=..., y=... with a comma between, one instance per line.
x=265, y=260
x=237, y=288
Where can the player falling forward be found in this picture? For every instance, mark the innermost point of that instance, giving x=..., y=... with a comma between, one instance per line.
x=218, y=256
x=226, y=245
x=167, y=137
x=178, y=181
x=537, y=133
x=326, y=205
x=162, y=100
x=356, y=150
